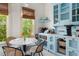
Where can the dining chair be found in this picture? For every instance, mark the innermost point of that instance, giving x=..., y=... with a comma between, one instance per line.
x=9, y=39
x=37, y=49
x=11, y=51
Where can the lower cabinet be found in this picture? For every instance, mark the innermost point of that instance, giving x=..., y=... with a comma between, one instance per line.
x=71, y=45
x=73, y=53
x=51, y=43
x=51, y=48
x=46, y=45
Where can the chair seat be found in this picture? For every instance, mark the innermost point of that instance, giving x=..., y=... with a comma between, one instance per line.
x=32, y=49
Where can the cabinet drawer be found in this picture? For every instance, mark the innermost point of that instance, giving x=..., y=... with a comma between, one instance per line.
x=62, y=43
x=63, y=51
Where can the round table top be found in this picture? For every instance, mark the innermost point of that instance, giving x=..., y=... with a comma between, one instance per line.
x=21, y=41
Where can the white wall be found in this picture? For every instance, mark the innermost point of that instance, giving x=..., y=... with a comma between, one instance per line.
x=49, y=14
x=14, y=20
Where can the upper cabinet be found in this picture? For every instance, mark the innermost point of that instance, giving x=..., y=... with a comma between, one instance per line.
x=56, y=14
x=66, y=14
x=75, y=12
x=64, y=11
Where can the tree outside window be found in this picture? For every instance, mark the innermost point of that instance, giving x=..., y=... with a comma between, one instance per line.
x=3, y=27
x=27, y=25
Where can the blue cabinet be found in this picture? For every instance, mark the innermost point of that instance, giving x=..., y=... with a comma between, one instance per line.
x=73, y=43
x=56, y=14
x=52, y=43
x=75, y=12
x=65, y=16
x=73, y=47
x=51, y=47
x=73, y=53
x=66, y=13
x=64, y=7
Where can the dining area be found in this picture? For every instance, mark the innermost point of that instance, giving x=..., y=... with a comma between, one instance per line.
x=19, y=25
x=23, y=46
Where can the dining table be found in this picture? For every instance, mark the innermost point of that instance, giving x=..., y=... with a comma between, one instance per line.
x=21, y=42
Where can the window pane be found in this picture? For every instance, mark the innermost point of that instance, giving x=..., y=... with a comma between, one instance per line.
x=27, y=25
x=65, y=16
x=73, y=12
x=56, y=12
x=64, y=7
x=55, y=18
x=73, y=5
x=78, y=18
x=77, y=5
x=55, y=7
x=78, y=11
x=73, y=18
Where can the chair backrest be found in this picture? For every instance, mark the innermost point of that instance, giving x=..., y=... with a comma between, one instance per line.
x=11, y=51
x=40, y=47
x=18, y=52
x=9, y=39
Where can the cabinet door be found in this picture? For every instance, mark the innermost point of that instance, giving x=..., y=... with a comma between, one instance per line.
x=46, y=45
x=75, y=12
x=51, y=38
x=51, y=43
x=51, y=47
x=73, y=47
x=73, y=43
x=73, y=53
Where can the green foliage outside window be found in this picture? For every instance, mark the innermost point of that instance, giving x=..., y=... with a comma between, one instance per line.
x=3, y=27
x=27, y=27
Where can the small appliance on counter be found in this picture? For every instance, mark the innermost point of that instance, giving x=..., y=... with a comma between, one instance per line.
x=43, y=29
x=50, y=31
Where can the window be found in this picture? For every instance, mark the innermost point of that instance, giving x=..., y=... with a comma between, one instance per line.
x=28, y=27
x=3, y=27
